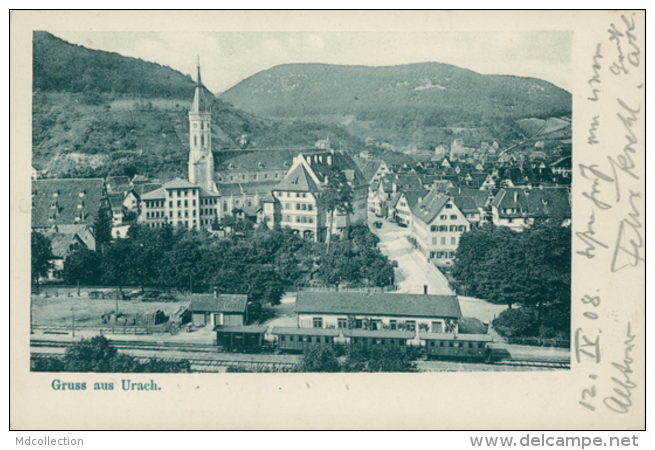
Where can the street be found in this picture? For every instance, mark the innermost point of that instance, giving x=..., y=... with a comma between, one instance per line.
x=414, y=271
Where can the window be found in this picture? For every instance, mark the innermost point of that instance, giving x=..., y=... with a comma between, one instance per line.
x=453, y=217
x=462, y=228
x=179, y=214
x=358, y=323
x=310, y=219
x=443, y=217
x=443, y=228
x=453, y=228
x=443, y=241
x=342, y=323
x=410, y=325
x=193, y=203
x=449, y=206
x=297, y=206
x=309, y=207
x=186, y=202
x=170, y=214
x=318, y=322
x=437, y=327
x=393, y=324
x=186, y=213
x=433, y=228
x=434, y=241
x=179, y=203
x=297, y=195
x=290, y=338
x=304, y=207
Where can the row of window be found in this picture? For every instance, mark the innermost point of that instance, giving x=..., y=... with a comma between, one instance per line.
x=186, y=192
x=410, y=325
x=288, y=194
x=309, y=339
x=443, y=228
x=456, y=344
x=254, y=177
x=442, y=255
x=445, y=217
x=299, y=219
x=453, y=241
x=155, y=204
x=299, y=206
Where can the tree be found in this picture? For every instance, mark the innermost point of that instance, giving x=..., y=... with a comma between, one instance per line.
x=82, y=265
x=319, y=358
x=118, y=264
x=378, y=358
x=102, y=227
x=41, y=257
x=337, y=196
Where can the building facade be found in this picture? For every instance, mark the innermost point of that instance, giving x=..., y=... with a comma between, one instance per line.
x=437, y=225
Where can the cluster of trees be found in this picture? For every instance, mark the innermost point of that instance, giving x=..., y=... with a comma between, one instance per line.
x=356, y=358
x=530, y=269
x=98, y=355
x=261, y=263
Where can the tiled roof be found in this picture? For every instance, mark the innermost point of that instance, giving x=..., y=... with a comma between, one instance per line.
x=538, y=203
x=267, y=159
x=394, y=334
x=306, y=331
x=409, y=305
x=141, y=189
x=61, y=243
x=456, y=337
x=298, y=180
x=253, y=329
x=466, y=204
x=340, y=160
x=428, y=209
x=229, y=303
x=371, y=168
x=63, y=208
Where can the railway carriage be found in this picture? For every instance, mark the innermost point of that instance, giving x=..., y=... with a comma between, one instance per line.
x=249, y=338
x=456, y=346
x=296, y=339
x=390, y=338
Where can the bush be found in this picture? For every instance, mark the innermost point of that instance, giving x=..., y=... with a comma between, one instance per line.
x=515, y=322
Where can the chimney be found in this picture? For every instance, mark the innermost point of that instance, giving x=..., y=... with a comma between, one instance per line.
x=516, y=196
x=425, y=289
x=215, y=292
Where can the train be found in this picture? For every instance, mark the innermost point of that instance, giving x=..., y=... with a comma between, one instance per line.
x=478, y=348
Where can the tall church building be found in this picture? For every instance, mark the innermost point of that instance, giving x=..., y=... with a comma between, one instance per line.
x=201, y=159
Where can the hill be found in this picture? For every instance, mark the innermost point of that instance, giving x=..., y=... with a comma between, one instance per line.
x=406, y=105
x=60, y=66
x=97, y=113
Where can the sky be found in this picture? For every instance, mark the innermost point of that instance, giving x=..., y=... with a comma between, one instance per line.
x=227, y=58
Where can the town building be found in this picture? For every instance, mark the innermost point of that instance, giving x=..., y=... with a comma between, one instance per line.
x=352, y=310
x=519, y=208
x=256, y=167
x=400, y=207
x=299, y=194
x=218, y=309
x=437, y=225
x=180, y=203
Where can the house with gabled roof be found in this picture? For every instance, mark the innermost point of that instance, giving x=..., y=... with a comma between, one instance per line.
x=218, y=309
x=374, y=170
x=519, y=208
x=400, y=207
x=380, y=311
x=437, y=225
x=299, y=193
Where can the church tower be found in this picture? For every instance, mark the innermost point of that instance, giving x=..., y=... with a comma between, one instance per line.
x=201, y=160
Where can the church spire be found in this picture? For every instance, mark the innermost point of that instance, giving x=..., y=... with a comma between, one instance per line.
x=199, y=82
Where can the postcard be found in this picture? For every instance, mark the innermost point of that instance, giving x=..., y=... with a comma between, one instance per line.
x=327, y=220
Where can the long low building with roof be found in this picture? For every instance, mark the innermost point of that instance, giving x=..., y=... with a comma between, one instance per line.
x=354, y=310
